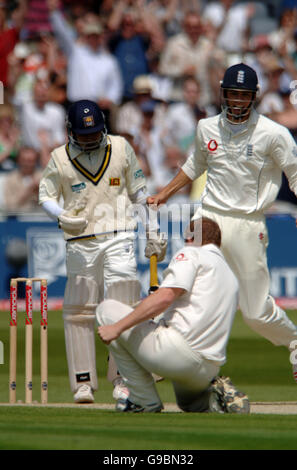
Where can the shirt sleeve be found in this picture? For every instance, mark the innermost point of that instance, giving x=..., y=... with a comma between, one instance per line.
x=50, y=184
x=284, y=153
x=135, y=179
x=196, y=163
x=182, y=270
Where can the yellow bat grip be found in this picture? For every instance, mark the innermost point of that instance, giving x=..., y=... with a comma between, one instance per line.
x=153, y=271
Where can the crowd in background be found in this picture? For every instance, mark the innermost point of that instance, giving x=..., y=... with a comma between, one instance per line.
x=153, y=66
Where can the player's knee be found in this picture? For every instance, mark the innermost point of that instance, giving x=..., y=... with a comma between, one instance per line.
x=259, y=314
x=110, y=311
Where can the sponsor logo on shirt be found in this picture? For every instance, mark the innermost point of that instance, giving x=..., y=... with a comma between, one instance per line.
x=181, y=257
x=76, y=188
x=212, y=145
x=138, y=174
x=114, y=181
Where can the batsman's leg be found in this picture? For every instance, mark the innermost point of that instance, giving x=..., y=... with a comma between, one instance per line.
x=80, y=302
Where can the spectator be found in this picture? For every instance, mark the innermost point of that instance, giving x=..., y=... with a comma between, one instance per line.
x=37, y=19
x=129, y=114
x=272, y=100
x=128, y=46
x=287, y=116
x=287, y=27
x=21, y=186
x=182, y=118
x=39, y=58
x=9, y=138
x=93, y=73
x=9, y=35
x=174, y=158
x=215, y=72
x=231, y=23
x=40, y=117
x=149, y=141
x=169, y=14
x=187, y=54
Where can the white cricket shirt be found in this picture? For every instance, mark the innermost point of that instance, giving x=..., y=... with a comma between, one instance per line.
x=205, y=312
x=244, y=169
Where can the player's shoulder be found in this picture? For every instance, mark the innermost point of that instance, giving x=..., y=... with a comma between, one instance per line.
x=209, y=122
x=188, y=252
x=117, y=139
x=270, y=126
x=58, y=151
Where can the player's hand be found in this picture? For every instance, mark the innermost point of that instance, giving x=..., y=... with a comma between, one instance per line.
x=155, y=201
x=155, y=245
x=72, y=224
x=108, y=333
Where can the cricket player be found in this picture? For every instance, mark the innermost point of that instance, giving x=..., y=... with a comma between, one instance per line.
x=198, y=296
x=97, y=176
x=244, y=154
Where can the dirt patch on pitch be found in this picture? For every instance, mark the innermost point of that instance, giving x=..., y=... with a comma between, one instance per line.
x=284, y=408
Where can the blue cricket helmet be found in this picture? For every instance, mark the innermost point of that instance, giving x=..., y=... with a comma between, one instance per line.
x=240, y=77
x=84, y=117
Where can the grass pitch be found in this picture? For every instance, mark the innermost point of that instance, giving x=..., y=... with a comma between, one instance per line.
x=257, y=367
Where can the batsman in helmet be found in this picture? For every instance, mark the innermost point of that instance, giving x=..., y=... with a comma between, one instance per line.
x=89, y=186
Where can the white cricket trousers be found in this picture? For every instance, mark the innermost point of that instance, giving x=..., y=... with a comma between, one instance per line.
x=244, y=245
x=152, y=347
x=91, y=267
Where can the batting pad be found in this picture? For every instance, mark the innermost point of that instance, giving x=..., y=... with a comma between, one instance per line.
x=127, y=292
x=79, y=320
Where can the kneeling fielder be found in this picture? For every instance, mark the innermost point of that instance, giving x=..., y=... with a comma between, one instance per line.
x=198, y=296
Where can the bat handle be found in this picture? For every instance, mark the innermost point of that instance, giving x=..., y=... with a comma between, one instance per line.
x=153, y=274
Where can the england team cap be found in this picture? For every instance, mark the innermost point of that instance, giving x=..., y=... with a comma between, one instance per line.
x=240, y=76
x=85, y=117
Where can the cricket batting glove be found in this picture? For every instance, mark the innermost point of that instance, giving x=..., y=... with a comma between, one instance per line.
x=72, y=224
x=155, y=245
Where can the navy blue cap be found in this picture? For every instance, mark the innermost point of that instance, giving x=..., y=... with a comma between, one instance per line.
x=85, y=117
x=240, y=76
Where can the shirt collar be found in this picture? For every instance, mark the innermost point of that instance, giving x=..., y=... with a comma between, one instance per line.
x=74, y=152
x=251, y=122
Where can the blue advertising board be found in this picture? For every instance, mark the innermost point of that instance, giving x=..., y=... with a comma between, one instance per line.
x=43, y=244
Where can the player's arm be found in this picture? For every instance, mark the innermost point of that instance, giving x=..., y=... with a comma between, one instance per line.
x=194, y=167
x=284, y=153
x=49, y=195
x=150, y=307
x=178, y=182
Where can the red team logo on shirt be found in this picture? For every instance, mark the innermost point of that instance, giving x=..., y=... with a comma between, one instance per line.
x=212, y=145
x=181, y=257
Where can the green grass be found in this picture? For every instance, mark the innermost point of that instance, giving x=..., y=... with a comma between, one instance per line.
x=66, y=429
x=255, y=366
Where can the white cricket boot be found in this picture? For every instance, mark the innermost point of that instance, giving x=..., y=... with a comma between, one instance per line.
x=84, y=394
x=120, y=391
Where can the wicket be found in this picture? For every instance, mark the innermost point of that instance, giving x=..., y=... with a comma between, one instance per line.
x=28, y=339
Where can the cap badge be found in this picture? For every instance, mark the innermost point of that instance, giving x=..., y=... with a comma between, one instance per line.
x=86, y=110
x=88, y=121
x=240, y=76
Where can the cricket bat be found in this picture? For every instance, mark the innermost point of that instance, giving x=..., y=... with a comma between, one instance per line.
x=153, y=274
